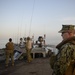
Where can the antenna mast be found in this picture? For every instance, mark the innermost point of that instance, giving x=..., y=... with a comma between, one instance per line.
x=31, y=18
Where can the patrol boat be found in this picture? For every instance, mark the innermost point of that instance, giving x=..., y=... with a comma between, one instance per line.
x=39, y=50
x=39, y=66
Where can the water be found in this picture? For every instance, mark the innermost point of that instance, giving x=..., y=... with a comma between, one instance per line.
x=2, y=43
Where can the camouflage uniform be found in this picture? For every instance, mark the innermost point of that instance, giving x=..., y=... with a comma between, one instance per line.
x=65, y=55
x=9, y=52
x=64, y=58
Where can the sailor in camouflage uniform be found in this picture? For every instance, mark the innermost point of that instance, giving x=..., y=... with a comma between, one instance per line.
x=66, y=48
x=9, y=52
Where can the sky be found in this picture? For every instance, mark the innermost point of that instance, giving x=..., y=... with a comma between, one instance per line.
x=22, y=18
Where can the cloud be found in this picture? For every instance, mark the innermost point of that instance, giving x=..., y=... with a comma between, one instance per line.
x=69, y=19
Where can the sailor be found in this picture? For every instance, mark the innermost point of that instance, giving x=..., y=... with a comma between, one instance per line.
x=41, y=41
x=28, y=49
x=66, y=49
x=25, y=40
x=21, y=42
x=9, y=52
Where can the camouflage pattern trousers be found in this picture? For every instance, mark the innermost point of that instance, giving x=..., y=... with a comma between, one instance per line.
x=9, y=54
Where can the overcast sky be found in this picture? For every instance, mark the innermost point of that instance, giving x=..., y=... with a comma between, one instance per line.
x=20, y=18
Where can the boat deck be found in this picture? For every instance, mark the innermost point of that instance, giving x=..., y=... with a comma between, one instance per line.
x=39, y=66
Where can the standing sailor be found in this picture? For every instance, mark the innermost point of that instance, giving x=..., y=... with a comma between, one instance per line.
x=28, y=49
x=9, y=52
x=66, y=48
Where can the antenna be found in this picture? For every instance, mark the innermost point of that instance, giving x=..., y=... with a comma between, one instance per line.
x=31, y=18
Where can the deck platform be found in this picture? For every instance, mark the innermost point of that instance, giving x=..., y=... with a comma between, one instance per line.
x=39, y=66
